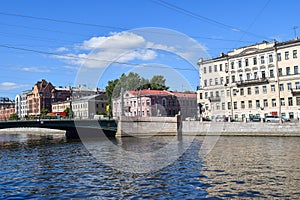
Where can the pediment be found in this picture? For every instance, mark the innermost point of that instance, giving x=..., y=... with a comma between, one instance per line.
x=248, y=51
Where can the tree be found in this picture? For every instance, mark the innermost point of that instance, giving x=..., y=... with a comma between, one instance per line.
x=13, y=116
x=158, y=82
x=68, y=112
x=44, y=112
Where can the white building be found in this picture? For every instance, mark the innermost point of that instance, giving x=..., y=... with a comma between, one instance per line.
x=260, y=79
x=20, y=104
x=88, y=106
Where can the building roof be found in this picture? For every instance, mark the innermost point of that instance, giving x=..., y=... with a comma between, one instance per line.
x=185, y=95
x=150, y=92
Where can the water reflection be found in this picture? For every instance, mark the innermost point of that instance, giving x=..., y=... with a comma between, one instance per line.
x=253, y=167
x=237, y=167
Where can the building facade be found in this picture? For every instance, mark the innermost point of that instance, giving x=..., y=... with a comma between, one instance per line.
x=7, y=107
x=158, y=103
x=261, y=79
x=89, y=106
x=20, y=104
x=42, y=95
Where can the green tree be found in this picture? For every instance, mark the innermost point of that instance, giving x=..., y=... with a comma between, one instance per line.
x=13, y=116
x=158, y=82
x=44, y=112
x=68, y=112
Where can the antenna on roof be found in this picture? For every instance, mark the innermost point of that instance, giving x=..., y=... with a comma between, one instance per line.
x=295, y=31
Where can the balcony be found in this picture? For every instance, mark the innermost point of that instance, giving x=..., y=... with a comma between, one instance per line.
x=252, y=82
x=296, y=91
x=214, y=99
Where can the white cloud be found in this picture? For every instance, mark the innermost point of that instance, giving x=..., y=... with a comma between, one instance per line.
x=62, y=49
x=34, y=69
x=11, y=86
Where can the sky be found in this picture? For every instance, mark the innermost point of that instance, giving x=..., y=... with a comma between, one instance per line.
x=90, y=42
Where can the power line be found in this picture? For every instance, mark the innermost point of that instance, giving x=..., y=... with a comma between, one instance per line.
x=92, y=59
x=203, y=18
x=98, y=25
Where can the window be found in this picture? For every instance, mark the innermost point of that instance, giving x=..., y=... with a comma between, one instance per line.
x=148, y=102
x=235, y=105
x=221, y=67
x=248, y=76
x=228, y=105
x=256, y=90
x=264, y=88
x=291, y=115
x=240, y=63
x=289, y=86
x=218, y=106
x=271, y=73
x=201, y=96
x=263, y=74
x=221, y=80
x=205, y=83
x=295, y=54
x=222, y=93
x=232, y=65
x=262, y=60
x=279, y=56
x=272, y=88
x=286, y=55
x=250, y=104
x=290, y=101
x=297, y=85
x=270, y=58
x=204, y=70
x=241, y=77
x=242, y=104
x=288, y=70
x=215, y=68
x=216, y=81
x=211, y=94
x=217, y=94
x=265, y=103
x=281, y=88
x=246, y=62
x=280, y=72
x=296, y=70
x=227, y=79
x=255, y=75
x=206, y=95
x=257, y=104
x=210, y=82
x=233, y=78
x=254, y=61
x=226, y=67
x=242, y=91
x=273, y=102
x=282, y=102
x=298, y=101
x=249, y=91
x=209, y=69
x=228, y=93
x=223, y=106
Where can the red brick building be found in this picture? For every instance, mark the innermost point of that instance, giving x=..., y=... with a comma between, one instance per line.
x=7, y=107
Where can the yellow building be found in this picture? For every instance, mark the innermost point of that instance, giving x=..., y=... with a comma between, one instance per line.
x=260, y=79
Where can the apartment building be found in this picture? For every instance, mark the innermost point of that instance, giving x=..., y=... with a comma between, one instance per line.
x=20, y=104
x=7, y=107
x=88, y=106
x=260, y=79
x=158, y=103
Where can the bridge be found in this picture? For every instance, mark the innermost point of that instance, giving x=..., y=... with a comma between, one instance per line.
x=73, y=128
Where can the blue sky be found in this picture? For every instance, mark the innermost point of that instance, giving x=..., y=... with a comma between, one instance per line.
x=33, y=33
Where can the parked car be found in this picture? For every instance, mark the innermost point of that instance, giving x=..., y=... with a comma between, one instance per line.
x=276, y=119
x=255, y=119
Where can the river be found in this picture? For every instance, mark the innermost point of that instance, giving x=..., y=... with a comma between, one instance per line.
x=45, y=166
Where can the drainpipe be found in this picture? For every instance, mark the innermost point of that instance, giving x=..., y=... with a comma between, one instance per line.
x=278, y=82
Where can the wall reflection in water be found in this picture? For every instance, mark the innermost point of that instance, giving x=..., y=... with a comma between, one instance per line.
x=253, y=167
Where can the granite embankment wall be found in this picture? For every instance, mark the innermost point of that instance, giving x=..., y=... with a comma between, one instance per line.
x=147, y=126
x=240, y=129
x=170, y=126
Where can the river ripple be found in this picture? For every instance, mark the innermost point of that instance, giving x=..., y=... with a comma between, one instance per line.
x=48, y=167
